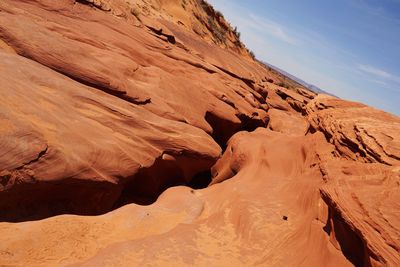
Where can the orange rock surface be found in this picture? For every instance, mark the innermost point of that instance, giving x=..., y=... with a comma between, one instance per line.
x=143, y=133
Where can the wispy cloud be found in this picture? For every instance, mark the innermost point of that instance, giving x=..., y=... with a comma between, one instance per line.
x=380, y=74
x=376, y=9
x=379, y=82
x=272, y=28
x=381, y=77
x=375, y=71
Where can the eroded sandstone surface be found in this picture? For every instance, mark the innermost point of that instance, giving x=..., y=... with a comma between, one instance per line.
x=143, y=132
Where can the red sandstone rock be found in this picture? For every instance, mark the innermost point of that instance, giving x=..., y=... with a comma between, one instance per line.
x=357, y=131
x=110, y=102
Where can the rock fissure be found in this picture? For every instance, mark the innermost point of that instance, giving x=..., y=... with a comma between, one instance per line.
x=346, y=237
x=39, y=156
x=248, y=82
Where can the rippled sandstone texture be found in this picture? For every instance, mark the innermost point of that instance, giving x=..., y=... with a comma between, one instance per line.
x=108, y=103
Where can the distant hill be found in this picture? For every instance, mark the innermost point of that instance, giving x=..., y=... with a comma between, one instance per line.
x=311, y=87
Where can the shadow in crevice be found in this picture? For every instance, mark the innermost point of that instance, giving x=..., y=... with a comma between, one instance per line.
x=43, y=199
x=201, y=180
x=149, y=183
x=348, y=239
x=224, y=129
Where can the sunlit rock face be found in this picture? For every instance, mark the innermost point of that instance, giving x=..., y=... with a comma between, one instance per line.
x=143, y=133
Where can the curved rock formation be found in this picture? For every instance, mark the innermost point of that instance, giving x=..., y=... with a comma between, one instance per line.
x=89, y=121
x=70, y=148
x=357, y=131
x=152, y=118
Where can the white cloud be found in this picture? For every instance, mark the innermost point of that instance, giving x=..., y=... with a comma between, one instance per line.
x=375, y=10
x=272, y=28
x=379, y=73
x=379, y=82
x=374, y=71
x=381, y=77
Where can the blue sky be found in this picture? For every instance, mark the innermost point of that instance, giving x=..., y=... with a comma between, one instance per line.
x=350, y=48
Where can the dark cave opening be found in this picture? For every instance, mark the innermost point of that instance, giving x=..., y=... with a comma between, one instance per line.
x=200, y=180
x=149, y=183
